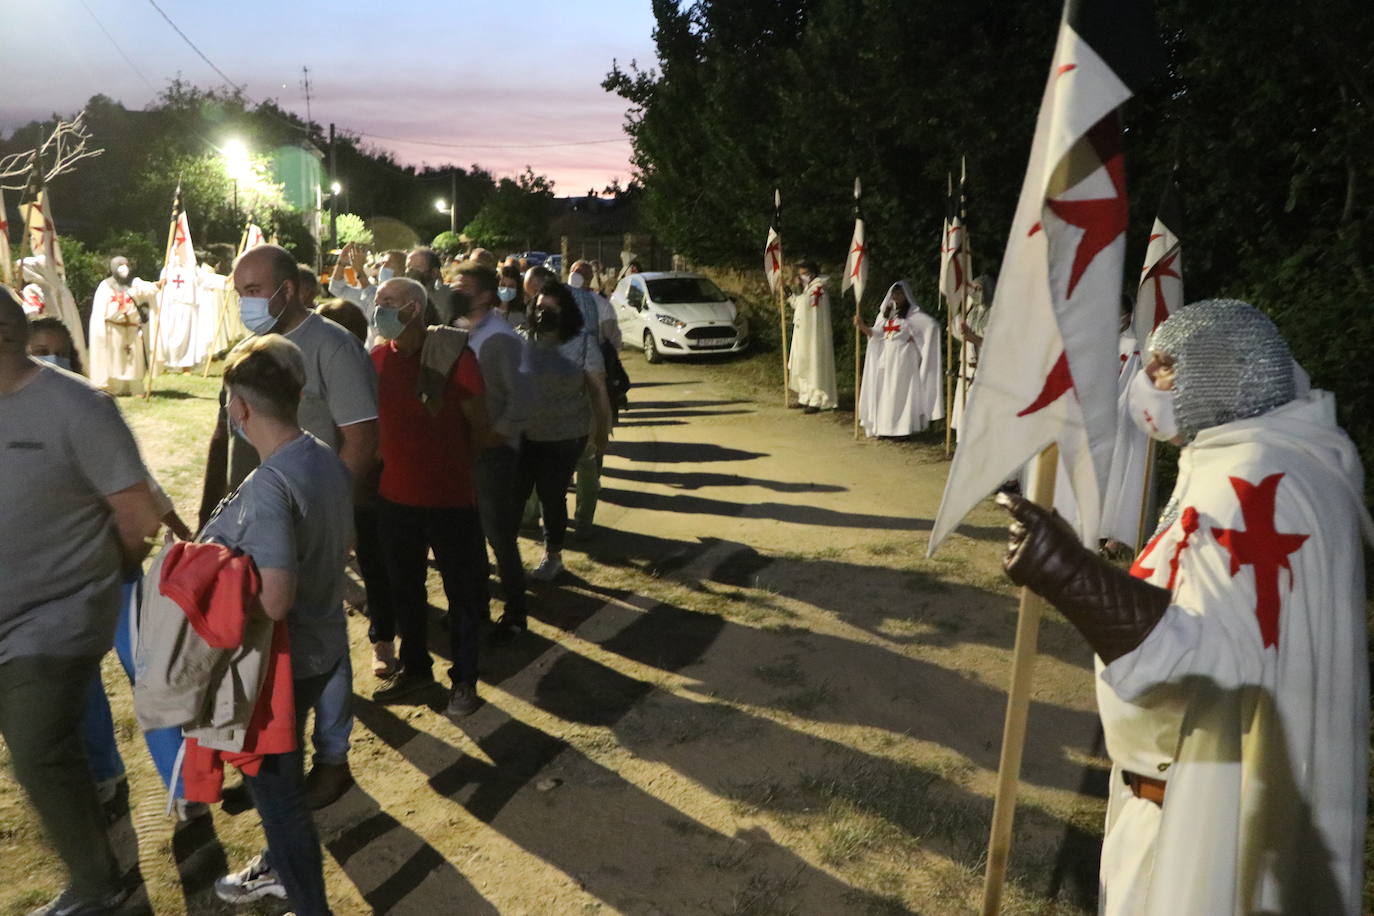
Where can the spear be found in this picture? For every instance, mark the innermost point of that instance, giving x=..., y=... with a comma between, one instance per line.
x=155, y=326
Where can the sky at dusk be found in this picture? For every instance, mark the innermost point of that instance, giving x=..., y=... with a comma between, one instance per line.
x=501, y=85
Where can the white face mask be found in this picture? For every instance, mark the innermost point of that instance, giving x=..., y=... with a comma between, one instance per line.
x=1152, y=409
x=384, y=274
x=577, y=281
x=256, y=314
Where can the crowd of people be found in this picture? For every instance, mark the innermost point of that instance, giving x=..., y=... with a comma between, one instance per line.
x=424, y=408
x=428, y=408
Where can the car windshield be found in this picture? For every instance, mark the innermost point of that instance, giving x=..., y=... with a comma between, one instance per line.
x=677, y=290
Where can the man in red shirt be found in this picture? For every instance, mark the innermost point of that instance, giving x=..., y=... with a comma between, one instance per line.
x=427, y=498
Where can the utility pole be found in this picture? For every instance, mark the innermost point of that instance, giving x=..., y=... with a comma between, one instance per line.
x=453, y=201
x=333, y=198
x=305, y=84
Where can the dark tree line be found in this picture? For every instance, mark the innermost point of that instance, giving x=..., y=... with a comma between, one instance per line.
x=1267, y=108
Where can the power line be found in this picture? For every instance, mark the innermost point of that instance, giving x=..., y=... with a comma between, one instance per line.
x=192, y=45
x=452, y=145
x=114, y=41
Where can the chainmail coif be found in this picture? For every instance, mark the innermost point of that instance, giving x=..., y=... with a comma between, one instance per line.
x=1231, y=363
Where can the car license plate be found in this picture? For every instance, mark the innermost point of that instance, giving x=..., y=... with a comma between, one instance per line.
x=715, y=344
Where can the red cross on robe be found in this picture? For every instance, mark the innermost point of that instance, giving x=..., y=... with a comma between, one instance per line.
x=1261, y=546
x=816, y=296
x=892, y=327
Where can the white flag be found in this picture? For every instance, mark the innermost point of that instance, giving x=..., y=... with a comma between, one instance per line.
x=856, y=263
x=1161, y=278
x=1047, y=371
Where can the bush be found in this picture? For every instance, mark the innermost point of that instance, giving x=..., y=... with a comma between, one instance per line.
x=447, y=244
x=144, y=254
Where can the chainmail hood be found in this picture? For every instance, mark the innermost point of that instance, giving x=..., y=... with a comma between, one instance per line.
x=1231, y=363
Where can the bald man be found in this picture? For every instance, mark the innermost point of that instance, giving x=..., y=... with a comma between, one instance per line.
x=338, y=407
x=74, y=485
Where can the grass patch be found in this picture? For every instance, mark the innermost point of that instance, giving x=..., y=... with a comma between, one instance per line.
x=807, y=701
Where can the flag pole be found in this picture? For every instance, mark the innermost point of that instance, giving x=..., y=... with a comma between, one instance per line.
x=1018, y=706
x=781, y=294
x=858, y=292
x=155, y=324
x=949, y=326
x=966, y=254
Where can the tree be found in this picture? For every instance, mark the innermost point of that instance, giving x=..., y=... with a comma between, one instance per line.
x=515, y=215
x=448, y=244
x=351, y=228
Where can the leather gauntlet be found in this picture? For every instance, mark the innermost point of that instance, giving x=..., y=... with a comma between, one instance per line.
x=1111, y=608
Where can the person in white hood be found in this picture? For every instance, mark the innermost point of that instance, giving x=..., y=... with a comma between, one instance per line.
x=1232, y=671
x=902, y=390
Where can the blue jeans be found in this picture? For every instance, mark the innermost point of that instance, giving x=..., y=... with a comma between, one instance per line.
x=334, y=715
x=278, y=792
x=97, y=725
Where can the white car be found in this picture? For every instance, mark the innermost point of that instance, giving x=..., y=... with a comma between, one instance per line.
x=671, y=313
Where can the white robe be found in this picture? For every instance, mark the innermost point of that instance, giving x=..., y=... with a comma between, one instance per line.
x=181, y=344
x=902, y=389
x=811, y=362
x=215, y=331
x=968, y=361
x=117, y=351
x=1121, y=507
x=1251, y=695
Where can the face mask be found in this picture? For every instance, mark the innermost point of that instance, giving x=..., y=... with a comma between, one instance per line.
x=384, y=274
x=234, y=427
x=546, y=320
x=256, y=314
x=505, y=293
x=389, y=323
x=804, y=279
x=1152, y=409
x=577, y=281
x=121, y=273
x=60, y=362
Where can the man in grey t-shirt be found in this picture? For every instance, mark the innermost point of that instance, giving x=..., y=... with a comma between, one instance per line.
x=75, y=510
x=339, y=407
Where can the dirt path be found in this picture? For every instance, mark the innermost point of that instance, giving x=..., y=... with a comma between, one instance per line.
x=751, y=694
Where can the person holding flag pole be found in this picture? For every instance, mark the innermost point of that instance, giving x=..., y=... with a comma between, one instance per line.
x=47, y=267
x=1047, y=375
x=155, y=326
x=772, y=270
x=856, y=276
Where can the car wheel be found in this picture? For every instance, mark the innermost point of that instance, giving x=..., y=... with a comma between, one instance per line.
x=651, y=354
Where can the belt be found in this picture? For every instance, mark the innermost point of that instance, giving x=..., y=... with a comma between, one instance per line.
x=1152, y=790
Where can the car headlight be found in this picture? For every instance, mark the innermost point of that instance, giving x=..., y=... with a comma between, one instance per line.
x=670, y=321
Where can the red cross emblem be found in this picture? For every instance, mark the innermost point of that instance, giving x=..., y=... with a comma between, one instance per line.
x=1102, y=220
x=892, y=327
x=773, y=250
x=1057, y=382
x=859, y=250
x=1261, y=546
x=1163, y=268
x=816, y=296
x=1189, y=522
x=178, y=281
x=180, y=236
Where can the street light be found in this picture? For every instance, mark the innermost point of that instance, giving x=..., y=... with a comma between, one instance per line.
x=335, y=188
x=442, y=206
x=237, y=164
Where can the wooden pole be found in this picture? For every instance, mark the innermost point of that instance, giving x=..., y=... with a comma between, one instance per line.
x=858, y=373
x=782, y=326
x=1146, y=494
x=949, y=379
x=155, y=324
x=1018, y=705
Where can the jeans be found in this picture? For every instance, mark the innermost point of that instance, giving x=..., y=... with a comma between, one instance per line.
x=97, y=726
x=372, y=564
x=588, y=488
x=495, y=475
x=455, y=535
x=547, y=469
x=278, y=792
x=334, y=715
x=41, y=699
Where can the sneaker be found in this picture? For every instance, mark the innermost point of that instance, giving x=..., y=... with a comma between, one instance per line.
x=549, y=568
x=506, y=631
x=402, y=685
x=462, y=701
x=810, y=409
x=384, y=660
x=326, y=783
x=68, y=904
x=254, y=882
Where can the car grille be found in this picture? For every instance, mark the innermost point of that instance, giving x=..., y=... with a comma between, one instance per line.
x=711, y=332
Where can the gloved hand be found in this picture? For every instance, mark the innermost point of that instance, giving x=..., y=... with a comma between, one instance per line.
x=1111, y=608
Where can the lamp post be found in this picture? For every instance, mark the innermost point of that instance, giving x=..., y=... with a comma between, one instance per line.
x=452, y=210
x=334, y=189
x=237, y=164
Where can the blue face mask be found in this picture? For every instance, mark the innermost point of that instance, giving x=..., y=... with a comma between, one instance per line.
x=389, y=323
x=256, y=314
x=505, y=293
x=384, y=274
x=234, y=427
x=60, y=362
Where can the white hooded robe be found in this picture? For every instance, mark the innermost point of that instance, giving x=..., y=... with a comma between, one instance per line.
x=1251, y=694
x=811, y=362
x=902, y=389
x=117, y=351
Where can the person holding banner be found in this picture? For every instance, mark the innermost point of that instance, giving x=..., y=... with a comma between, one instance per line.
x=118, y=350
x=811, y=361
x=1232, y=672
x=901, y=391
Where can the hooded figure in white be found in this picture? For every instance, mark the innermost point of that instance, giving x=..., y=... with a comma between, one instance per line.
x=1233, y=678
x=118, y=353
x=1124, y=499
x=811, y=362
x=902, y=390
